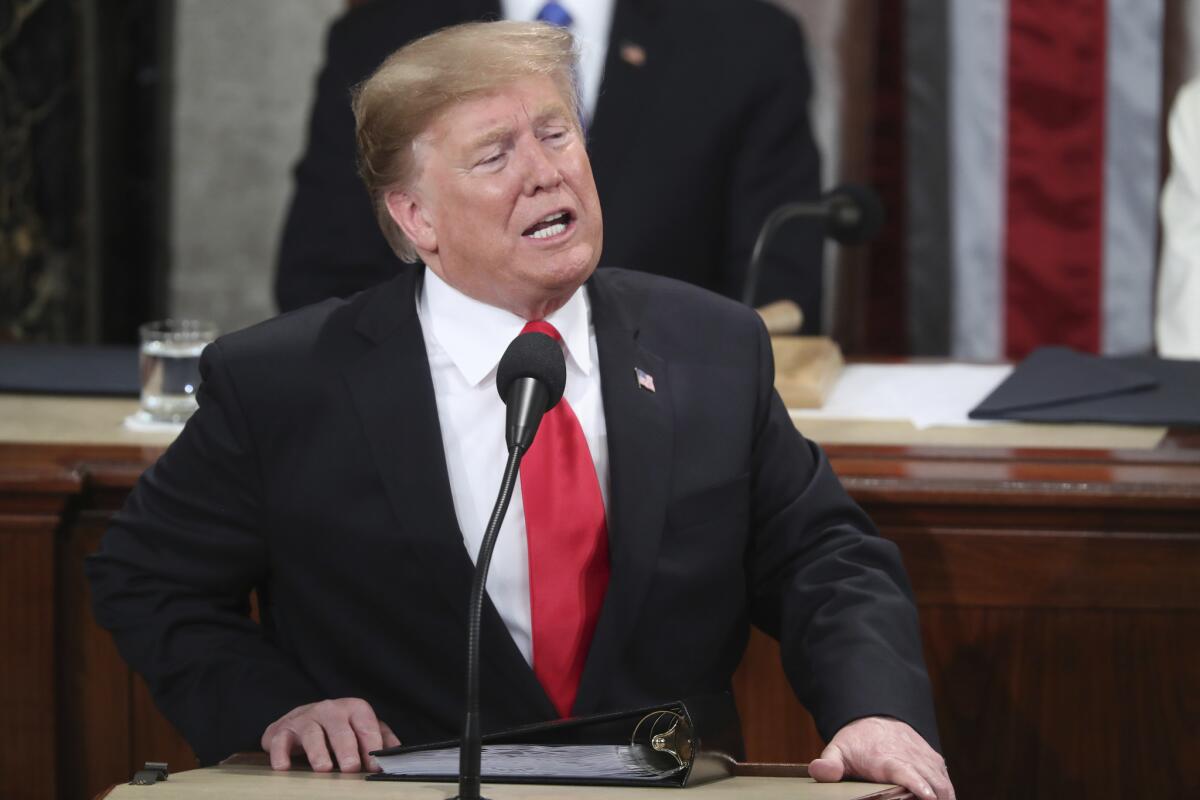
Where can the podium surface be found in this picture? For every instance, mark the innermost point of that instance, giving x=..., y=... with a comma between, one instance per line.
x=237, y=781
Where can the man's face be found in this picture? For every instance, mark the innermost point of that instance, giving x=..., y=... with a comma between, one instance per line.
x=504, y=207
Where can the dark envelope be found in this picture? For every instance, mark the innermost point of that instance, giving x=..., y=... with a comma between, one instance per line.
x=66, y=369
x=1056, y=384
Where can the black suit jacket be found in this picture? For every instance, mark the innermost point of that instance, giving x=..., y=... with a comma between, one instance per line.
x=314, y=471
x=690, y=151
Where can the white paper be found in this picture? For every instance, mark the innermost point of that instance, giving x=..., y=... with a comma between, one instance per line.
x=926, y=395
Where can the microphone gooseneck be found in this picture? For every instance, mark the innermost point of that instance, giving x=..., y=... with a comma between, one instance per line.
x=531, y=378
x=470, y=753
x=848, y=214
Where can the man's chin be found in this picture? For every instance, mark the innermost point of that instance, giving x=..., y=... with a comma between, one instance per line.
x=554, y=289
x=567, y=271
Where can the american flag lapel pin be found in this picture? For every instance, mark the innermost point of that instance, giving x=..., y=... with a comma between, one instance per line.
x=644, y=379
x=635, y=56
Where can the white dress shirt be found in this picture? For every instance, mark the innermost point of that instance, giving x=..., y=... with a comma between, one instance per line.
x=591, y=23
x=465, y=340
x=1177, y=327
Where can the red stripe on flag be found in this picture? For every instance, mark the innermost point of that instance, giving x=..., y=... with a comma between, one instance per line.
x=1055, y=181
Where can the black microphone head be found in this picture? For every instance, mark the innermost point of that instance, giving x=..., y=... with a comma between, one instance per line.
x=533, y=355
x=855, y=214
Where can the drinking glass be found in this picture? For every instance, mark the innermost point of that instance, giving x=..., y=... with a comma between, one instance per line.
x=169, y=362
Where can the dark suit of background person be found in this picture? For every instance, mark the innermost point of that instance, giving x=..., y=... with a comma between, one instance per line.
x=314, y=471
x=731, y=75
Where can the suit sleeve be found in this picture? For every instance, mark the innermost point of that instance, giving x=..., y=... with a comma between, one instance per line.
x=173, y=575
x=777, y=162
x=825, y=584
x=331, y=245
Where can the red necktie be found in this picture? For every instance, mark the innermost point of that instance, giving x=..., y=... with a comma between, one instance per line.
x=568, y=547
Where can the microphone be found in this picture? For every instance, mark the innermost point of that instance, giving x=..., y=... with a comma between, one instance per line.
x=531, y=378
x=848, y=214
x=853, y=214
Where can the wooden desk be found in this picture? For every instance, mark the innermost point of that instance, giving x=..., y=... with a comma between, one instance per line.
x=1058, y=594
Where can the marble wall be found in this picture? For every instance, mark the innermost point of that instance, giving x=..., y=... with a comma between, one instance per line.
x=244, y=75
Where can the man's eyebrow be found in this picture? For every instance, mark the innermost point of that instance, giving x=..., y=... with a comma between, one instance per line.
x=491, y=137
x=504, y=132
x=550, y=112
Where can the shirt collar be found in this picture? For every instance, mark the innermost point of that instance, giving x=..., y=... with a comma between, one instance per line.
x=475, y=334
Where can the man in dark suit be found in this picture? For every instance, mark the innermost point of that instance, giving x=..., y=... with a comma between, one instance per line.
x=731, y=74
x=336, y=451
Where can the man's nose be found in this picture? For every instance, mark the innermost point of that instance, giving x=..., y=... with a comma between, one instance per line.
x=541, y=171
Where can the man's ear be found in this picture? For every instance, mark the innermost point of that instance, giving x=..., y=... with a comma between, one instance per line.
x=407, y=211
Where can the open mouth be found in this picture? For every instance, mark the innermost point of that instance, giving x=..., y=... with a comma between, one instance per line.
x=550, y=225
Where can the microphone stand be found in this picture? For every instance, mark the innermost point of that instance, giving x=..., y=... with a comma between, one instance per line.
x=537, y=385
x=470, y=751
x=765, y=233
x=848, y=214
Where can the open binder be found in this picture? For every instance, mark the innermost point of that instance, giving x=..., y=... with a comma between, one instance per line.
x=680, y=743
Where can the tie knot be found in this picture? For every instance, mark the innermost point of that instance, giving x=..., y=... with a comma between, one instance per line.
x=541, y=326
x=555, y=14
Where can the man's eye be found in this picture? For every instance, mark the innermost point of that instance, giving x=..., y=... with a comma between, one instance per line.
x=555, y=136
x=492, y=159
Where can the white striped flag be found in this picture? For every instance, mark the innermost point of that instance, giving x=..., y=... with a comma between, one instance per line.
x=1055, y=177
x=1018, y=146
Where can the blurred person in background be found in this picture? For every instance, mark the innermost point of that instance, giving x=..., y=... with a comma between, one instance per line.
x=1177, y=326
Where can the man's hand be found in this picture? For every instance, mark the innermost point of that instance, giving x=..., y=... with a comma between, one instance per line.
x=347, y=726
x=884, y=750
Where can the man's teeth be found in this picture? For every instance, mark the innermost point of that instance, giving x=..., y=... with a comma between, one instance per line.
x=546, y=233
x=551, y=230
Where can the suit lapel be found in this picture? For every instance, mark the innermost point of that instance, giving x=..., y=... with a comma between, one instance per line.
x=633, y=72
x=393, y=395
x=640, y=442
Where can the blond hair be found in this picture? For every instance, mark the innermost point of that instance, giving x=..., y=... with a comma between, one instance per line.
x=425, y=77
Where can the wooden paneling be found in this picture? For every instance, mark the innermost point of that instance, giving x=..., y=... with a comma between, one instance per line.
x=107, y=719
x=93, y=680
x=1060, y=607
x=1067, y=703
x=27, y=657
x=65, y=692
x=1048, y=569
x=1047, y=684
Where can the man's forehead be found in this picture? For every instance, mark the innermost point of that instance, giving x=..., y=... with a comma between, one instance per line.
x=501, y=127
x=485, y=117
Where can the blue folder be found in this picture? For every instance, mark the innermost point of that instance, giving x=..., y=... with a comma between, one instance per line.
x=69, y=369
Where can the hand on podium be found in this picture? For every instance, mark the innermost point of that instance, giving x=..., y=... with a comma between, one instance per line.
x=884, y=750
x=348, y=726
